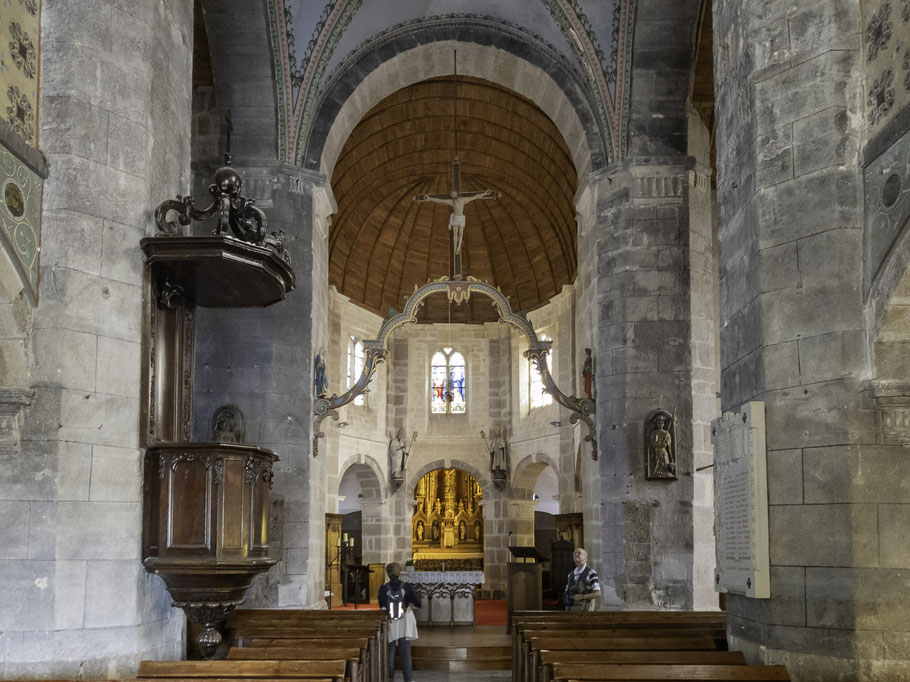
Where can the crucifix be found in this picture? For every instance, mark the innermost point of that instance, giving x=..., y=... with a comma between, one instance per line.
x=457, y=200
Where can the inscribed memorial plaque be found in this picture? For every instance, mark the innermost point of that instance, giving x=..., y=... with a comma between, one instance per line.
x=741, y=502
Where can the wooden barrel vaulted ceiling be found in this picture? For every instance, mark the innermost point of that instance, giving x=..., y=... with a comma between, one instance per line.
x=382, y=243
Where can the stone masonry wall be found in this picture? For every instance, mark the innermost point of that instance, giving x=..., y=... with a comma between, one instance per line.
x=793, y=334
x=115, y=127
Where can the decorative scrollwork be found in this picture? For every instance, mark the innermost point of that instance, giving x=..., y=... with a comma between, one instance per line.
x=375, y=352
x=236, y=213
x=207, y=459
x=254, y=469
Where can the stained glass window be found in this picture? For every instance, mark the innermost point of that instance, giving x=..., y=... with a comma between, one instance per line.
x=448, y=383
x=538, y=397
x=355, y=365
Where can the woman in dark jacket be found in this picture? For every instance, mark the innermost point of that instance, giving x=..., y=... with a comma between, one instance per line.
x=396, y=597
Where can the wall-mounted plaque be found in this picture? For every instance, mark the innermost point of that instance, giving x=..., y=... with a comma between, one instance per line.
x=741, y=502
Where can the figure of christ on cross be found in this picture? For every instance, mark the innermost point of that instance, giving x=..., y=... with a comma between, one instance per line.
x=457, y=200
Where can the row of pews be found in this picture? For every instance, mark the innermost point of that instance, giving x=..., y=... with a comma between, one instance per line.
x=550, y=646
x=315, y=646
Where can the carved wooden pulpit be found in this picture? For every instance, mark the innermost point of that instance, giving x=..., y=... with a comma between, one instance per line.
x=206, y=505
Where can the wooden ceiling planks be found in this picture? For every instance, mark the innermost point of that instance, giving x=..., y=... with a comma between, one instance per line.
x=382, y=244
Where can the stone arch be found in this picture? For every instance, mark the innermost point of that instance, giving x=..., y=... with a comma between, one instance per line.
x=527, y=471
x=387, y=64
x=369, y=473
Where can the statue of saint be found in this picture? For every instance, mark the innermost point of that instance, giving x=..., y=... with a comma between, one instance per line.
x=477, y=530
x=462, y=530
x=498, y=450
x=420, y=531
x=227, y=425
x=587, y=373
x=397, y=454
x=320, y=381
x=661, y=462
x=436, y=530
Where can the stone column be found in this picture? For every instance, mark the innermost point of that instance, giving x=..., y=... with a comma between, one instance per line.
x=652, y=315
x=261, y=360
x=796, y=336
x=114, y=124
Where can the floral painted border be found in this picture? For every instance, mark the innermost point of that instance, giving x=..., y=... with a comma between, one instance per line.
x=609, y=75
x=886, y=57
x=20, y=219
x=298, y=85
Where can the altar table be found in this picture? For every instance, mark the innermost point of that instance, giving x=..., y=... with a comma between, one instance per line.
x=447, y=596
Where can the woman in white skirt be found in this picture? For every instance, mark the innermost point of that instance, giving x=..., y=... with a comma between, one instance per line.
x=396, y=597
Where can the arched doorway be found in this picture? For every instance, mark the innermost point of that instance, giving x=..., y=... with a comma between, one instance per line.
x=352, y=534
x=447, y=527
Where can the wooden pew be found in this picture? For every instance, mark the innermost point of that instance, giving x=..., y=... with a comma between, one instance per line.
x=560, y=620
x=669, y=643
x=355, y=656
x=522, y=620
x=548, y=658
x=249, y=634
x=563, y=672
x=332, y=670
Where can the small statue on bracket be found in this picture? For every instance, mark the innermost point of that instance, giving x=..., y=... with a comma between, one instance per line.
x=587, y=373
x=499, y=457
x=660, y=446
x=227, y=425
x=398, y=455
x=320, y=381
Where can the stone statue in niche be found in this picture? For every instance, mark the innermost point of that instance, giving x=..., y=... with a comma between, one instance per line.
x=398, y=455
x=227, y=425
x=436, y=530
x=420, y=531
x=320, y=380
x=477, y=530
x=587, y=373
x=660, y=445
x=462, y=530
x=499, y=456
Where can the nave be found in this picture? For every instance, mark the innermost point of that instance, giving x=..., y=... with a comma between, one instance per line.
x=542, y=646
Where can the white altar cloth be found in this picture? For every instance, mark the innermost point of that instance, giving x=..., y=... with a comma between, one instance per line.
x=448, y=596
x=444, y=577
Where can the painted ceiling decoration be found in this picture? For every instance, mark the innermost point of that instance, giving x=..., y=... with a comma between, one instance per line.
x=608, y=74
x=304, y=75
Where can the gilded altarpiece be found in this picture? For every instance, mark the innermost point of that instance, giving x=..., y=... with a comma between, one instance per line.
x=447, y=528
x=21, y=168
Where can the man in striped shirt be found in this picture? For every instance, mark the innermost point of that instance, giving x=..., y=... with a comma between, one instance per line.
x=582, y=587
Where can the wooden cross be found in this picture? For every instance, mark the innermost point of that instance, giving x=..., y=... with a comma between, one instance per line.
x=457, y=200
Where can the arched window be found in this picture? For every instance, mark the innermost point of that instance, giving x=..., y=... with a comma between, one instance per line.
x=536, y=394
x=448, y=389
x=355, y=364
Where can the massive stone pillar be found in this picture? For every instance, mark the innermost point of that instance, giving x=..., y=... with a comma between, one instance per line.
x=791, y=125
x=650, y=249
x=115, y=125
x=261, y=360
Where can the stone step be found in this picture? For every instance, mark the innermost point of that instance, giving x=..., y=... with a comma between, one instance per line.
x=461, y=658
x=461, y=653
